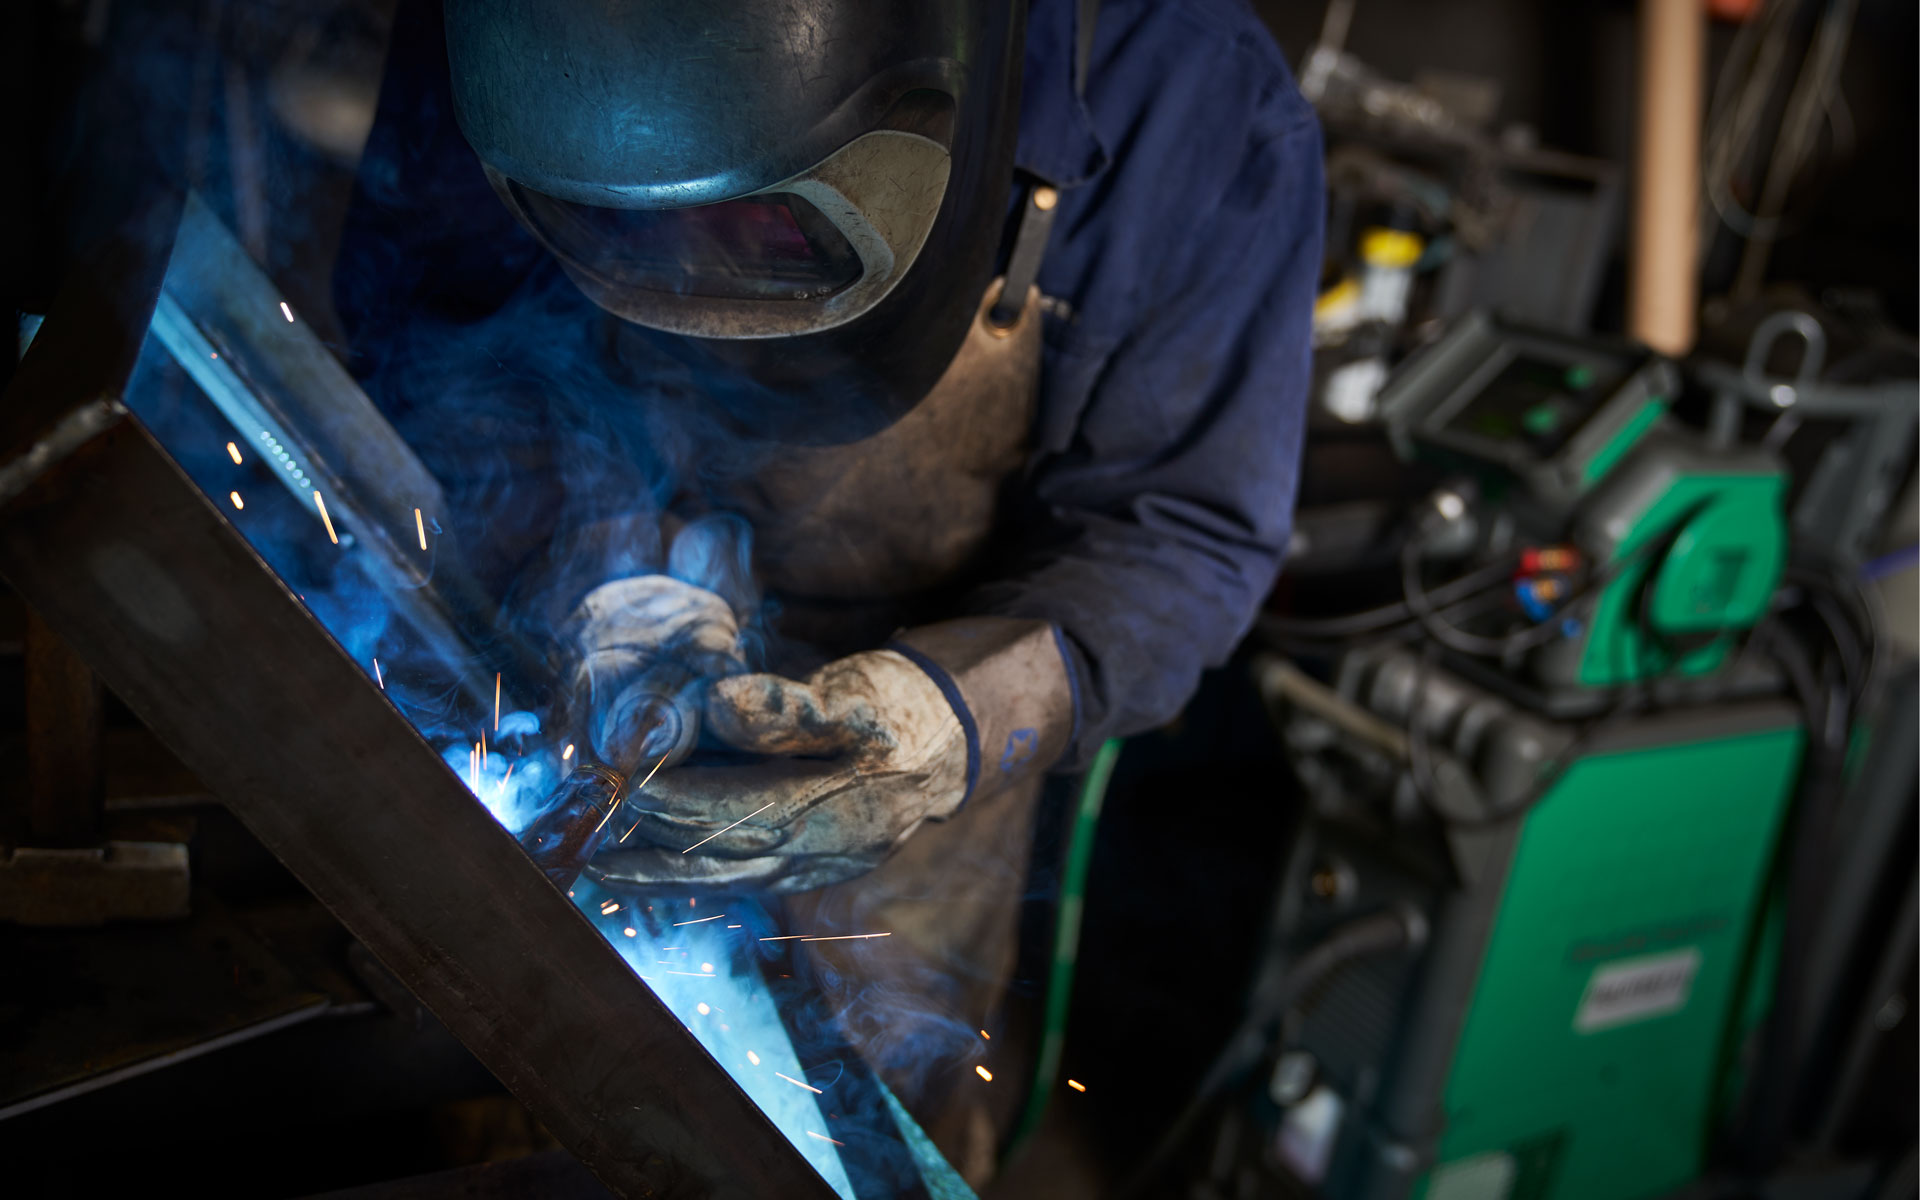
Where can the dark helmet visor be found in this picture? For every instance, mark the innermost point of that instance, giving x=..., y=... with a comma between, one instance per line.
x=764, y=247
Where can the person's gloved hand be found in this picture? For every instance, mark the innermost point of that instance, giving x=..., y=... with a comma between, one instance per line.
x=858, y=757
x=646, y=645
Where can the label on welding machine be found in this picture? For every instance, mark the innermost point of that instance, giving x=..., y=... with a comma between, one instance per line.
x=1637, y=989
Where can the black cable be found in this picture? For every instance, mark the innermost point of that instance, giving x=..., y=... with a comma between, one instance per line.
x=1368, y=620
x=1394, y=929
x=1764, y=1124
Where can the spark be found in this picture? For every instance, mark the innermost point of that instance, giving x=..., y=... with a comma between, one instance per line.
x=632, y=827
x=233, y=452
x=753, y=1058
x=378, y=677
x=733, y=927
x=609, y=907
x=823, y=1137
x=846, y=937
x=649, y=779
x=621, y=799
x=420, y=527
x=986, y=1035
x=716, y=833
x=237, y=501
x=795, y=1082
x=287, y=311
x=785, y=937
x=708, y=967
x=983, y=1073
x=496, y=694
x=567, y=753
x=699, y=920
x=215, y=354
x=630, y=932
x=483, y=749
x=503, y=782
x=702, y=1008
x=1076, y=1085
x=318, y=503
x=694, y=974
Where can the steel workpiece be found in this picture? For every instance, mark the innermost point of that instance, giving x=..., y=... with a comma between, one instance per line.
x=108, y=538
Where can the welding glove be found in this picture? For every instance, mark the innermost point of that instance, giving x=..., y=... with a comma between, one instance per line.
x=856, y=758
x=646, y=645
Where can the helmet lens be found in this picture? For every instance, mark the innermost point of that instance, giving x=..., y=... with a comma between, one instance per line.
x=764, y=247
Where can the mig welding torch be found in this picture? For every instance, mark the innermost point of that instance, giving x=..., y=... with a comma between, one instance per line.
x=650, y=722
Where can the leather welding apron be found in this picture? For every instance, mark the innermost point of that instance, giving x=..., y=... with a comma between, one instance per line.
x=851, y=541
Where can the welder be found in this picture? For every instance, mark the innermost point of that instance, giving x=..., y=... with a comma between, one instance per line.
x=990, y=325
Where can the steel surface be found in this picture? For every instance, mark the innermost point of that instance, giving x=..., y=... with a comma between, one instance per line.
x=128, y=561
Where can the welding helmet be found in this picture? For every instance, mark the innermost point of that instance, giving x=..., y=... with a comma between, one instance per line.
x=799, y=200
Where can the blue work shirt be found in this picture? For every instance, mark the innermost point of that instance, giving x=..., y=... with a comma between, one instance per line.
x=1180, y=278
x=1179, y=281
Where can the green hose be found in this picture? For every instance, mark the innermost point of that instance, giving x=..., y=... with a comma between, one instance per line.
x=1066, y=939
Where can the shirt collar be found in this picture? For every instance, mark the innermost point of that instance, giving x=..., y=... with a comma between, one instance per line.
x=1057, y=138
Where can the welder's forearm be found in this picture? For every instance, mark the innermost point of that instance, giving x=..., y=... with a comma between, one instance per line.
x=1140, y=620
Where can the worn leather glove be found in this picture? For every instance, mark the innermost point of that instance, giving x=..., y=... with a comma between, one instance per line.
x=857, y=758
x=647, y=645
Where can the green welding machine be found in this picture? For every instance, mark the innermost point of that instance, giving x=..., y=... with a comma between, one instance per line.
x=1524, y=934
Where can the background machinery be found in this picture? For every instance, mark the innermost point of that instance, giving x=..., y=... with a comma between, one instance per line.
x=1558, y=920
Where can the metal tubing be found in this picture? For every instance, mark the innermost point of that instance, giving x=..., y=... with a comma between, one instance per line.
x=135, y=568
x=1666, y=194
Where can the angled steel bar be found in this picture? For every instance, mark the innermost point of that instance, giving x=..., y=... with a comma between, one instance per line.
x=109, y=539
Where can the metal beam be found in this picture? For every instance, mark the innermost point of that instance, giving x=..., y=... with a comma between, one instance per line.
x=108, y=538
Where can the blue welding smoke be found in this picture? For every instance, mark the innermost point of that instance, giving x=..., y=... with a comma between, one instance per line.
x=563, y=466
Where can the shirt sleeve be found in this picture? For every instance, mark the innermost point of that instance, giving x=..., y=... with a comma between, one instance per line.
x=1151, y=538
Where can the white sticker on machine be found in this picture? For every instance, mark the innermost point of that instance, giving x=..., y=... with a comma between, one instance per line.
x=1637, y=989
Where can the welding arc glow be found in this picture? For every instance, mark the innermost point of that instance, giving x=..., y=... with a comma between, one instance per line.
x=716, y=833
x=795, y=1082
x=237, y=501
x=318, y=503
x=233, y=452
x=420, y=527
